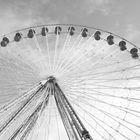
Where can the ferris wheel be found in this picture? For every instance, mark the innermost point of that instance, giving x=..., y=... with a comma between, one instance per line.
x=68, y=82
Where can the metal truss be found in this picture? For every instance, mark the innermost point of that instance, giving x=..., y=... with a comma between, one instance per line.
x=73, y=125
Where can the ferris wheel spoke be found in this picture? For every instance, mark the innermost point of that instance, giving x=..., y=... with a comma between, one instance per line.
x=15, y=114
x=121, y=108
x=40, y=53
x=99, y=80
x=73, y=50
x=27, y=122
x=58, y=133
x=13, y=68
x=116, y=117
x=65, y=59
x=108, y=73
x=114, y=96
x=31, y=121
x=77, y=63
x=10, y=104
x=78, y=74
x=97, y=86
x=45, y=135
x=49, y=120
x=115, y=106
x=48, y=51
x=29, y=129
x=30, y=50
x=7, y=63
x=83, y=101
x=103, y=94
x=82, y=53
x=63, y=55
x=117, y=63
x=90, y=72
x=101, y=135
x=37, y=43
x=101, y=121
x=63, y=50
x=81, y=46
x=29, y=88
x=101, y=67
x=55, y=50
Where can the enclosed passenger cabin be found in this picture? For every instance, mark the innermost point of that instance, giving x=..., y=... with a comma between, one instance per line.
x=134, y=52
x=97, y=35
x=44, y=31
x=84, y=32
x=71, y=30
x=122, y=45
x=110, y=40
x=17, y=37
x=4, y=42
x=31, y=33
x=58, y=30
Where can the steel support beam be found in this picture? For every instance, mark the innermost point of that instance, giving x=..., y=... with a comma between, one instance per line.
x=73, y=125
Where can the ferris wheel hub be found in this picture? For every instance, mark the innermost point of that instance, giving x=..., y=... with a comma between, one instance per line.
x=51, y=79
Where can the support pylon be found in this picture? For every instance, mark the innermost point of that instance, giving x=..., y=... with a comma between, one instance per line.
x=72, y=123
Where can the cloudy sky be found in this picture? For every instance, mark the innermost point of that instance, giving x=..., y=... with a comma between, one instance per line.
x=117, y=16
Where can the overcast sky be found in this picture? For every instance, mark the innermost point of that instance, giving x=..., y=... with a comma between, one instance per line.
x=117, y=16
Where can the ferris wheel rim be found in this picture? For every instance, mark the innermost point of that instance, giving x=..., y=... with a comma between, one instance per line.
x=75, y=25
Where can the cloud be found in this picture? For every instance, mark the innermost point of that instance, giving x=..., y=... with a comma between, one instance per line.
x=20, y=14
x=10, y=22
x=132, y=33
x=97, y=5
